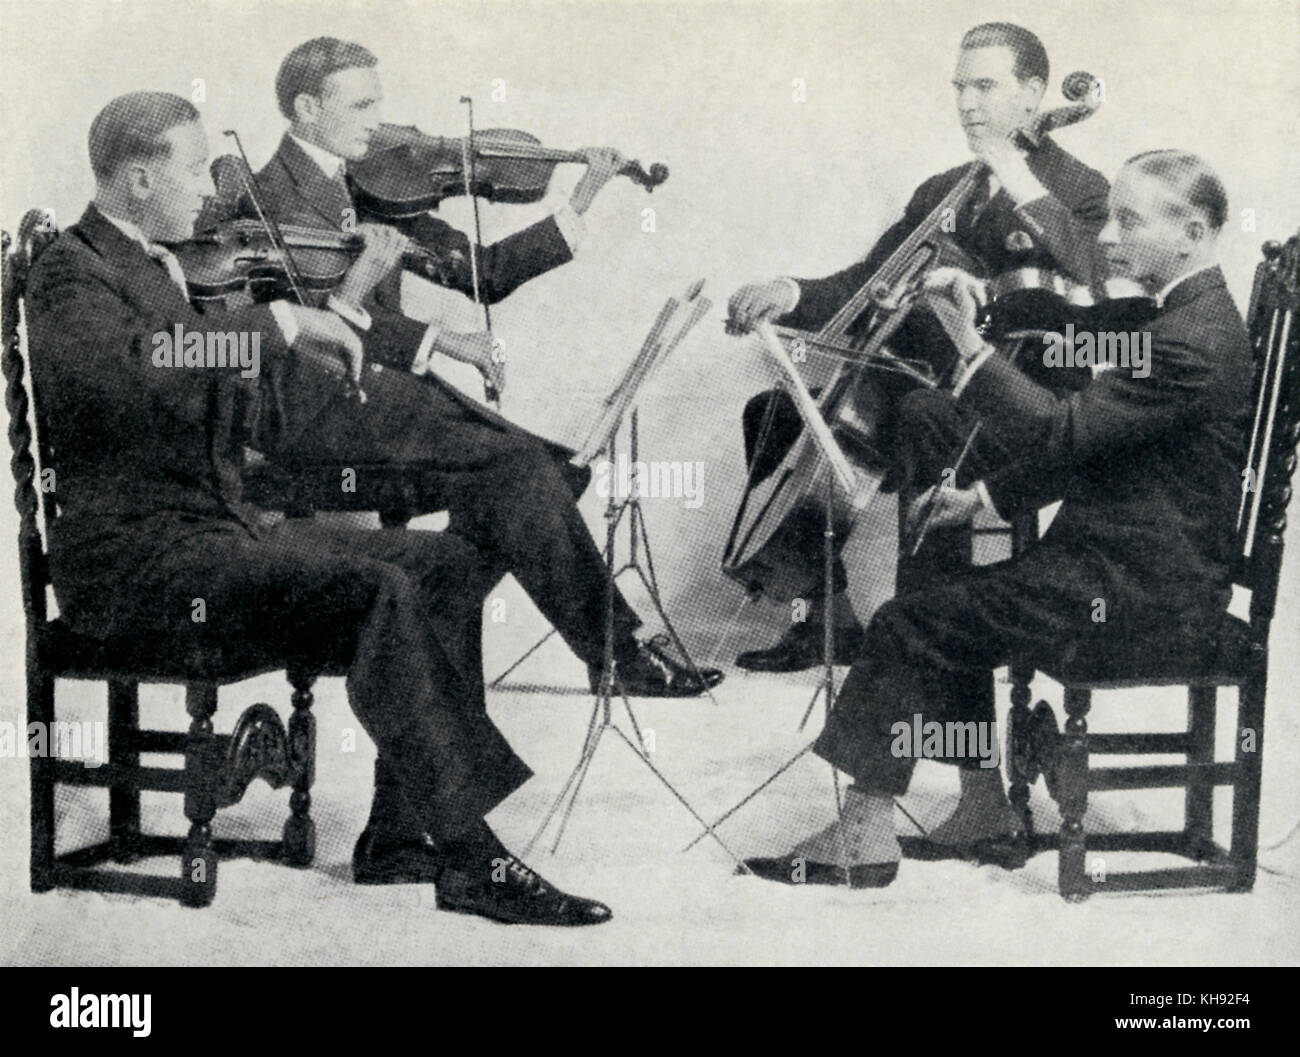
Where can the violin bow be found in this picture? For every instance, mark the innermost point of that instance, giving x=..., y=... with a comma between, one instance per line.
x=467, y=168
x=268, y=222
x=934, y=493
x=278, y=241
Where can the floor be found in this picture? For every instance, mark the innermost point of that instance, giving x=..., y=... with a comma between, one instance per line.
x=624, y=845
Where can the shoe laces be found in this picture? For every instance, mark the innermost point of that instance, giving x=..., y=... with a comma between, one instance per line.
x=525, y=873
x=655, y=650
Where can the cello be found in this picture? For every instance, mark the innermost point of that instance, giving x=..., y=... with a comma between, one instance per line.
x=766, y=550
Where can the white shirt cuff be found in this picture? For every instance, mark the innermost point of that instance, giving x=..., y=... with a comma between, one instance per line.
x=966, y=371
x=982, y=491
x=358, y=317
x=285, y=320
x=795, y=293
x=573, y=228
x=424, y=352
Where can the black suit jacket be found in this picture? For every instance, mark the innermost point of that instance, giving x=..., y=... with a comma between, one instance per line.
x=1149, y=468
x=297, y=192
x=1058, y=230
x=142, y=454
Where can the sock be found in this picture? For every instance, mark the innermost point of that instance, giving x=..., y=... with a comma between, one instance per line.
x=982, y=811
x=865, y=834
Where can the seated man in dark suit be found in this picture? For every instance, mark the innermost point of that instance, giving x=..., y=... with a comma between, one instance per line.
x=1147, y=465
x=510, y=492
x=153, y=539
x=330, y=92
x=1037, y=206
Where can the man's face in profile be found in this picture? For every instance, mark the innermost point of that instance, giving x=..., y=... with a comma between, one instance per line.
x=1150, y=233
x=991, y=101
x=346, y=114
x=175, y=184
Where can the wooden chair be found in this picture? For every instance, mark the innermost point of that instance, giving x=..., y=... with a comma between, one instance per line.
x=1231, y=652
x=217, y=768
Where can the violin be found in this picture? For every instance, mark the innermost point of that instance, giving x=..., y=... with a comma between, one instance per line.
x=407, y=172
x=243, y=254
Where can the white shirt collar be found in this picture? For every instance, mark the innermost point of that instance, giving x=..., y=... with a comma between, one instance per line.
x=1160, y=297
x=130, y=230
x=327, y=161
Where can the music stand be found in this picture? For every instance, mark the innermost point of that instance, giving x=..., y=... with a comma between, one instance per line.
x=659, y=343
x=839, y=472
x=654, y=350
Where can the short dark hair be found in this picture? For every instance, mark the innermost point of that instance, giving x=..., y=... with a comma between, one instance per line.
x=1186, y=173
x=1030, y=55
x=131, y=127
x=305, y=68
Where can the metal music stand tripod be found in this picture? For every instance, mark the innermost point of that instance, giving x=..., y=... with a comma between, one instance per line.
x=602, y=714
x=826, y=686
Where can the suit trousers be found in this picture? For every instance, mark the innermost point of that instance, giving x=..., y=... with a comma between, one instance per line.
x=507, y=490
x=933, y=429
x=928, y=652
x=405, y=607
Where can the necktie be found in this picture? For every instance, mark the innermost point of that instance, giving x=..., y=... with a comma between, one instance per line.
x=980, y=195
x=342, y=194
x=168, y=260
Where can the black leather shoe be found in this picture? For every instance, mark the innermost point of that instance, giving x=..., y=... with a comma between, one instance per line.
x=382, y=861
x=782, y=870
x=1009, y=851
x=800, y=648
x=499, y=887
x=652, y=672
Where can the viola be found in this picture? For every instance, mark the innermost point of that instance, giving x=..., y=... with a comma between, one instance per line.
x=243, y=254
x=407, y=172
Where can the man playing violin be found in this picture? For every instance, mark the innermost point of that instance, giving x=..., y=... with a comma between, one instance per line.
x=1034, y=206
x=150, y=518
x=1147, y=466
x=330, y=92
x=510, y=493
x=508, y=490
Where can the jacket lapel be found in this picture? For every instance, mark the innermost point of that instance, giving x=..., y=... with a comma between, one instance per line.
x=147, y=283
x=322, y=195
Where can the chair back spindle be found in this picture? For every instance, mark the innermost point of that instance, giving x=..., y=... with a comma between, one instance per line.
x=1274, y=429
x=29, y=451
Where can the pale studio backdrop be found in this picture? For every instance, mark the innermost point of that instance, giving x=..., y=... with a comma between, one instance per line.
x=761, y=183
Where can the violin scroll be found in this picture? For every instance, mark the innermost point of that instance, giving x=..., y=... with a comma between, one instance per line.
x=657, y=174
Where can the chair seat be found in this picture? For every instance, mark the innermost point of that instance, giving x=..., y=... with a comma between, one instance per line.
x=1218, y=650
x=70, y=654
